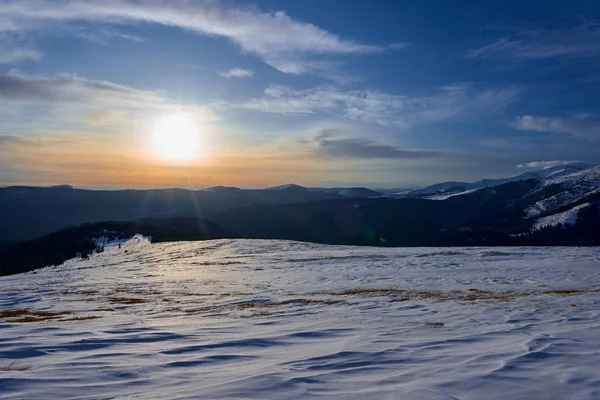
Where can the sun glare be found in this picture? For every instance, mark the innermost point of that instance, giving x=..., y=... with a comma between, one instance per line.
x=176, y=137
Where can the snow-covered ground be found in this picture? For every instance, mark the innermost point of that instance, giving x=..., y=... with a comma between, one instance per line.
x=276, y=319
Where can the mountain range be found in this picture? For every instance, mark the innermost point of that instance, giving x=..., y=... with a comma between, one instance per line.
x=553, y=206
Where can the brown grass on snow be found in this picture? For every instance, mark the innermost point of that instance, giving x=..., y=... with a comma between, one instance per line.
x=472, y=294
x=126, y=300
x=14, y=366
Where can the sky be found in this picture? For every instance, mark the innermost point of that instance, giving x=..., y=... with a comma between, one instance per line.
x=374, y=93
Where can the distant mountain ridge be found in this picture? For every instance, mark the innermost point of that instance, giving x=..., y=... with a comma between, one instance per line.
x=27, y=212
x=553, y=206
x=440, y=190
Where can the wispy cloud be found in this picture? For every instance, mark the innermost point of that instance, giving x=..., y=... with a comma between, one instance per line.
x=16, y=87
x=551, y=164
x=373, y=106
x=92, y=102
x=288, y=45
x=578, y=41
x=16, y=55
x=101, y=36
x=329, y=144
x=6, y=140
x=582, y=125
x=237, y=73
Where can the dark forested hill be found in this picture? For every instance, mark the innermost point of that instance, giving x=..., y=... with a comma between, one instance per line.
x=491, y=216
x=30, y=212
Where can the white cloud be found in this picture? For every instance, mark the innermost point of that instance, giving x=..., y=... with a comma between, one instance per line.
x=288, y=45
x=101, y=36
x=578, y=41
x=237, y=73
x=15, y=87
x=16, y=55
x=373, y=106
x=90, y=101
x=581, y=125
x=551, y=164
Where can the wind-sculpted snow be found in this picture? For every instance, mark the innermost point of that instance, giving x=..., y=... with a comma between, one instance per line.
x=268, y=319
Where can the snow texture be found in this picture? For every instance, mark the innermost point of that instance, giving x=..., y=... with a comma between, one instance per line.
x=568, y=217
x=262, y=319
x=578, y=185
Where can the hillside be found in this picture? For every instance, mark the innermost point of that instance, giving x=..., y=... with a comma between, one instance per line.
x=87, y=239
x=262, y=319
x=30, y=212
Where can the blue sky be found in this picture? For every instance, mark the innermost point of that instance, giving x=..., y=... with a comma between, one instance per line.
x=371, y=93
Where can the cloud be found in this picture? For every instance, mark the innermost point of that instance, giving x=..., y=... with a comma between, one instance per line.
x=289, y=45
x=581, y=125
x=237, y=73
x=6, y=140
x=199, y=113
x=16, y=55
x=101, y=117
x=331, y=146
x=16, y=87
x=101, y=36
x=373, y=106
x=551, y=164
x=77, y=99
x=578, y=41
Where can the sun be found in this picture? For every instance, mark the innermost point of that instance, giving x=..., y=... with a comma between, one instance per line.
x=176, y=137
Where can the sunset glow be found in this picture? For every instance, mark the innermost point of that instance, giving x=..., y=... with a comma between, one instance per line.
x=201, y=93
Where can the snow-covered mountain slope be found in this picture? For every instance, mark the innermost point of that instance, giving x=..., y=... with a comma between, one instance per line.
x=576, y=187
x=441, y=191
x=568, y=217
x=277, y=319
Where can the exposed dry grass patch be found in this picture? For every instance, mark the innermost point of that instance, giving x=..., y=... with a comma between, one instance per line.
x=28, y=319
x=14, y=366
x=80, y=318
x=262, y=313
x=190, y=294
x=481, y=291
x=434, y=324
x=567, y=292
x=207, y=309
x=88, y=292
x=27, y=315
x=363, y=291
x=432, y=294
x=125, y=300
x=261, y=305
x=140, y=292
x=308, y=302
x=471, y=294
x=272, y=304
x=400, y=299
